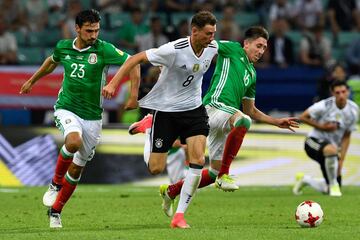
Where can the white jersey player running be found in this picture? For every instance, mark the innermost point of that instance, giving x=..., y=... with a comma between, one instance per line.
x=176, y=99
x=333, y=120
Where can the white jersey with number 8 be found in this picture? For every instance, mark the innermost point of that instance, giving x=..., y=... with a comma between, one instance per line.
x=179, y=85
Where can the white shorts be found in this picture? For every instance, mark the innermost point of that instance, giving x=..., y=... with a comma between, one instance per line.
x=89, y=131
x=219, y=122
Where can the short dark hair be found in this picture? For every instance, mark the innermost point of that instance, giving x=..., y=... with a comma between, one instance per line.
x=91, y=16
x=338, y=83
x=256, y=32
x=202, y=18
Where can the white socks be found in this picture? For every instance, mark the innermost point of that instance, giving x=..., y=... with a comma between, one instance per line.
x=331, y=167
x=188, y=189
x=147, y=146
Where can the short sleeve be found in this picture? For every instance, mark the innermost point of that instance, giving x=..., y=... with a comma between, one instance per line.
x=56, y=54
x=317, y=110
x=162, y=56
x=113, y=55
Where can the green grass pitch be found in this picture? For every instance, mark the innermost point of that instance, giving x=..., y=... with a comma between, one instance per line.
x=133, y=212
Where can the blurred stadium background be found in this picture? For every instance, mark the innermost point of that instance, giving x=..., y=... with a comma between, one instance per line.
x=322, y=44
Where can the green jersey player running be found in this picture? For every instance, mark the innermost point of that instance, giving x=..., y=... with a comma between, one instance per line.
x=78, y=109
x=233, y=84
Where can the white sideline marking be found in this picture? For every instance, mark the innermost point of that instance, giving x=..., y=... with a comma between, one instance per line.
x=266, y=164
x=9, y=190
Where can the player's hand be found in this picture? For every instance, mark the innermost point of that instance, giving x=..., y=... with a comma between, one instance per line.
x=108, y=91
x=329, y=126
x=289, y=123
x=26, y=87
x=131, y=104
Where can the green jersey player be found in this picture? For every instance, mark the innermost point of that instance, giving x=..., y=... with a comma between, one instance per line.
x=232, y=85
x=78, y=109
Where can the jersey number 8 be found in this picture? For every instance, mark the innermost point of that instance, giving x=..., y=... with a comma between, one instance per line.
x=188, y=81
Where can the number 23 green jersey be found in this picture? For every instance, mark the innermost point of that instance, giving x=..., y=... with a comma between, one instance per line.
x=84, y=76
x=234, y=78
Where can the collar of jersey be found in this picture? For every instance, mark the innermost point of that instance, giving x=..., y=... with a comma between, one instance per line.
x=80, y=50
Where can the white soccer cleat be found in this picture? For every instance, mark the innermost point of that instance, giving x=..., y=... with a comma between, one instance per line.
x=168, y=203
x=226, y=183
x=299, y=184
x=50, y=195
x=55, y=220
x=334, y=191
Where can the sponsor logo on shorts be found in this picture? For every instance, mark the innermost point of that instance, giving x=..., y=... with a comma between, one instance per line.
x=67, y=121
x=158, y=143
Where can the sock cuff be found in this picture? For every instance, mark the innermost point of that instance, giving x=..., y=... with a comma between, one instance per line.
x=243, y=121
x=65, y=153
x=213, y=173
x=195, y=171
x=71, y=180
x=195, y=166
x=332, y=156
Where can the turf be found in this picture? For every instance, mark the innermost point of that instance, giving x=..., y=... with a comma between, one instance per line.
x=133, y=212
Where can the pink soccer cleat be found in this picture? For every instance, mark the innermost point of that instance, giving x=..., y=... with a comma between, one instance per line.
x=179, y=221
x=141, y=126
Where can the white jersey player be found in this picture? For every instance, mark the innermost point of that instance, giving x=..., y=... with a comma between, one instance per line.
x=333, y=120
x=180, y=80
x=176, y=99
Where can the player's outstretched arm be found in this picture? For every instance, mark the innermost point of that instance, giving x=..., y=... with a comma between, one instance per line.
x=47, y=67
x=109, y=90
x=289, y=123
x=132, y=102
x=251, y=110
x=327, y=127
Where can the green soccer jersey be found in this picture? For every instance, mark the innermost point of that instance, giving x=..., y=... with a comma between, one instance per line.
x=234, y=78
x=84, y=76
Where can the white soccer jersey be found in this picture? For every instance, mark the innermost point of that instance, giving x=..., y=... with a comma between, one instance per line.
x=179, y=85
x=327, y=111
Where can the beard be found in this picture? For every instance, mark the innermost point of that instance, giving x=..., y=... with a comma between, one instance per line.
x=90, y=42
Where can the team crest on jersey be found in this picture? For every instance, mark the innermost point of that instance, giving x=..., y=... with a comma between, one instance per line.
x=206, y=63
x=196, y=67
x=92, y=58
x=338, y=116
x=158, y=143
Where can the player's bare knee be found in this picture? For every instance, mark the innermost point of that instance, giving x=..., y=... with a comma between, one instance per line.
x=330, y=150
x=73, y=142
x=242, y=121
x=155, y=169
